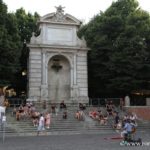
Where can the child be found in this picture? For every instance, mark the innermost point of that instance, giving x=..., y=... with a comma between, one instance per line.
x=65, y=114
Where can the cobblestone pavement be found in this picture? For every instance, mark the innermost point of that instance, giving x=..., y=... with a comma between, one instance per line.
x=71, y=142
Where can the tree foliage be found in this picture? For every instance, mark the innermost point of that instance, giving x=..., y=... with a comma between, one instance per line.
x=9, y=45
x=26, y=25
x=119, y=38
x=15, y=30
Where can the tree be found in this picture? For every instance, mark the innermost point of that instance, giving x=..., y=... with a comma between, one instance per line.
x=27, y=23
x=9, y=46
x=119, y=38
x=15, y=30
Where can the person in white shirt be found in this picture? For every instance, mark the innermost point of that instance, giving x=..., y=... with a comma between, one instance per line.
x=41, y=124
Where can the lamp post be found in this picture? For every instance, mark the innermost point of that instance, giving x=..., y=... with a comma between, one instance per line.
x=3, y=126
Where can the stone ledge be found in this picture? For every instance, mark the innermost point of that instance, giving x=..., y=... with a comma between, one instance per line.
x=142, y=112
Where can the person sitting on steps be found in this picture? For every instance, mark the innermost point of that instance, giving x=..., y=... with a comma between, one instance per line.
x=127, y=131
x=62, y=105
x=65, y=114
x=82, y=106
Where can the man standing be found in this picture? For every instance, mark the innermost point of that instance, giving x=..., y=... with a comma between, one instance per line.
x=41, y=124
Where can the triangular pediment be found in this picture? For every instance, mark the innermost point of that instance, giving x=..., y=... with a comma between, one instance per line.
x=59, y=29
x=61, y=19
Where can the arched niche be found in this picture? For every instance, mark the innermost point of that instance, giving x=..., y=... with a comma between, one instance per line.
x=59, y=78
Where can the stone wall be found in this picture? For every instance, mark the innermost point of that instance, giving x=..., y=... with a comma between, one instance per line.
x=35, y=69
x=82, y=74
x=142, y=112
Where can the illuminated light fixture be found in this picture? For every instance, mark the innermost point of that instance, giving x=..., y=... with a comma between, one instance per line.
x=24, y=73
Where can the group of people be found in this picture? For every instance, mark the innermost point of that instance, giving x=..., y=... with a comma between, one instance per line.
x=102, y=117
x=79, y=115
x=41, y=120
x=62, y=107
x=47, y=119
x=24, y=111
x=126, y=125
x=44, y=121
x=99, y=115
x=29, y=111
x=129, y=124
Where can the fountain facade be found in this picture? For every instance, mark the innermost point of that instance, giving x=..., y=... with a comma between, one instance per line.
x=58, y=60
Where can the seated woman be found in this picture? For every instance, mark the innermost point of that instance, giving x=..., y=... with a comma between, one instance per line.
x=6, y=103
x=62, y=105
x=35, y=114
x=47, y=120
x=26, y=110
x=109, y=108
x=14, y=111
x=133, y=117
x=65, y=114
x=35, y=118
x=116, y=119
x=21, y=109
x=53, y=107
x=77, y=115
x=103, y=120
x=81, y=114
x=82, y=106
x=134, y=128
x=17, y=115
x=119, y=126
x=93, y=114
x=35, y=122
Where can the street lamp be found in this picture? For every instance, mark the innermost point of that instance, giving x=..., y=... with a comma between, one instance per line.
x=24, y=73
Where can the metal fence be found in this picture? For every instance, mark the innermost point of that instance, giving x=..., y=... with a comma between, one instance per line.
x=102, y=101
x=15, y=102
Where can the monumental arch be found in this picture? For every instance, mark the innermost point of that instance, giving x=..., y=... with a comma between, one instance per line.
x=58, y=60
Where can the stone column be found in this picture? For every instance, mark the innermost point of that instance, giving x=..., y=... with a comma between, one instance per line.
x=44, y=87
x=43, y=68
x=148, y=101
x=127, y=100
x=75, y=69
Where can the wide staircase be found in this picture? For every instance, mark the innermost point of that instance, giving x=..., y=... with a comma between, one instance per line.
x=58, y=125
x=63, y=126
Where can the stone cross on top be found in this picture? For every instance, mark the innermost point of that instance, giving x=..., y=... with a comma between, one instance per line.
x=59, y=9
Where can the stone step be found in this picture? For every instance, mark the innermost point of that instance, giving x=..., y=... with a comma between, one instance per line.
x=59, y=125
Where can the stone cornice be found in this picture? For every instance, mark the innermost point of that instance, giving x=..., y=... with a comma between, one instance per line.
x=62, y=23
x=61, y=47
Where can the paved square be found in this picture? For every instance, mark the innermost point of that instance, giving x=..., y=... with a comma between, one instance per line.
x=71, y=142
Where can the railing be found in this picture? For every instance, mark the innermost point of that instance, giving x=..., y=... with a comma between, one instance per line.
x=102, y=101
x=15, y=102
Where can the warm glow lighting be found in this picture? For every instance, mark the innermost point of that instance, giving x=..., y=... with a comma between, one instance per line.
x=24, y=73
